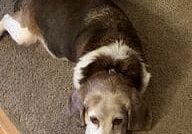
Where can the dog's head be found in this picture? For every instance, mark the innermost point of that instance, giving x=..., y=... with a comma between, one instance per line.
x=109, y=98
x=108, y=105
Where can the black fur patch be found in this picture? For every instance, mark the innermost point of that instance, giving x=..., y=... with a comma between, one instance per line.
x=130, y=69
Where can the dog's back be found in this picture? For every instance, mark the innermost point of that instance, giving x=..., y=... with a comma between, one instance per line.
x=71, y=28
x=60, y=22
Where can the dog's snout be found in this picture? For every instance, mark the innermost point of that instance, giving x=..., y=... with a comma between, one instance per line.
x=107, y=129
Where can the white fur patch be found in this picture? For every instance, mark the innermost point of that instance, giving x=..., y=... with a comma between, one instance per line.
x=117, y=51
x=146, y=78
x=91, y=113
x=93, y=129
x=46, y=48
x=20, y=34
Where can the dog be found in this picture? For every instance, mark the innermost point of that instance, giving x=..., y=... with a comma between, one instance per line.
x=110, y=75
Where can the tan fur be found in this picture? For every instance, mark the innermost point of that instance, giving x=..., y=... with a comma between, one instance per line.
x=107, y=100
x=26, y=17
x=20, y=28
x=108, y=96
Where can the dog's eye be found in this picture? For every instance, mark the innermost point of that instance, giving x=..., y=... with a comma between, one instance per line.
x=117, y=121
x=94, y=120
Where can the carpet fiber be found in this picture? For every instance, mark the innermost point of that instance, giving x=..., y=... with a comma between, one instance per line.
x=34, y=87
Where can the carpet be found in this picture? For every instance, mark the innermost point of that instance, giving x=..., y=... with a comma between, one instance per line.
x=34, y=87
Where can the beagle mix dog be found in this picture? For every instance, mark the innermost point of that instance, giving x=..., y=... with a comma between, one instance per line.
x=110, y=75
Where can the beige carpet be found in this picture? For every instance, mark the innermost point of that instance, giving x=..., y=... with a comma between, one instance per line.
x=34, y=88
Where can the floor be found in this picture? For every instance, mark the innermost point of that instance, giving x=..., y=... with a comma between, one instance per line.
x=6, y=126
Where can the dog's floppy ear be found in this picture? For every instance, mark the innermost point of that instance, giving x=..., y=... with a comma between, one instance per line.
x=75, y=105
x=139, y=114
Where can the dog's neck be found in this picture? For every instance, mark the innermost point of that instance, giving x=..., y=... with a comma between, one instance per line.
x=115, y=56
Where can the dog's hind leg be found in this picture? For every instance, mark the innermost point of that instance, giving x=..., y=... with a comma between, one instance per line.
x=17, y=30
